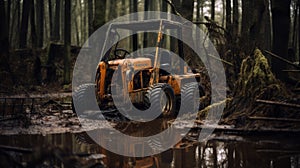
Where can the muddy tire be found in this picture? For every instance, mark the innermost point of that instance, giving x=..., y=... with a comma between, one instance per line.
x=190, y=94
x=162, y=97
x=81, y=99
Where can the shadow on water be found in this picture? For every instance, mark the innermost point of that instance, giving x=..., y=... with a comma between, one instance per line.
x=77, y=150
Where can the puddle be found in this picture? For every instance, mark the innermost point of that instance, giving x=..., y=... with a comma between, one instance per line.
x=70, y=149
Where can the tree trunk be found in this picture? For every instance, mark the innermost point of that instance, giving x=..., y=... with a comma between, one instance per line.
x=295, y=30
x=76, y=26
x=40, y=23
x=62, y=20
x=33, y=26
x=84, y=22
x=4, y=49
x=36, y=73
x=235, y=30
x=164, y=6
x=8, y=18
x=67, y=40
x=100, y=8
x=133, y=9
x=50, y=19
x=298, y=29
x=228, y=17
x=255, y=25
x=223, y=13
x=212, y=14
x=18, y=6
x=146, y=8
x=90, y=16
x=57, y=21
x=112, y=9
x=187, y=8
x=24, y=23
x=281, y=27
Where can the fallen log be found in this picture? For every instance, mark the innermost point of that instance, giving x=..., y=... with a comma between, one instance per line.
x=16, y=149
x=282, y=59
x=274, y=119
x=219, y=59
x=291, y=70
x=278, y=103
x=276, y=151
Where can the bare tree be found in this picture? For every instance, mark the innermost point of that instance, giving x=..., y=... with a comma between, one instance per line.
x=90, y=16
x=256, y=30
x=228, y=16
x=4, y=49
x=40, y=23
x=67, y=37
x=50, y=19
x=212, y=8
x=56, y=32
x=32, y=25
x=235, y=13
x=24, y=23
x=99, y=18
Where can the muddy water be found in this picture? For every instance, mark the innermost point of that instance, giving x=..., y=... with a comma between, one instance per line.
x=77, y=150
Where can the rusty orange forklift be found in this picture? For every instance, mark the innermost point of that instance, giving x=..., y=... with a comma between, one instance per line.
x=147, y=79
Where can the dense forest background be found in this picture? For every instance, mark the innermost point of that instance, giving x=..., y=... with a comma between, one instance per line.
x=39, y=39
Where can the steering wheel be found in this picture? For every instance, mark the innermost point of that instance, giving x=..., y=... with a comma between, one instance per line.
x=121, y=53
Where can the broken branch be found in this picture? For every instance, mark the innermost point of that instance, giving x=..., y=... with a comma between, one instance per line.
x=278, y=103
x=282, y=59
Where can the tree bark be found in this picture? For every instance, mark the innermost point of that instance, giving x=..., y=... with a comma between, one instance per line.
x=33, y=26
x=228, y=16
x=4, y=49
x=99, y=18
x=40, y=23
x=62, y=19
x=281, y=27
x=8, y=18
x=255, y=25
x=18, y=6
x=24, y=23
x=112, y=10
x=4, y=43
x=235, y=28
x=67, y=40
x=90, y=16
x=298, y=29
x=50, y=19
x=133, y=9
x=187, y=8
x=146, y=8
x=212, y=8
x=57, y=21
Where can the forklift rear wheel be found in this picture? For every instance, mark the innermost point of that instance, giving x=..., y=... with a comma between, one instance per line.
x=81, y=99
x=190, y=97
x=162, y=97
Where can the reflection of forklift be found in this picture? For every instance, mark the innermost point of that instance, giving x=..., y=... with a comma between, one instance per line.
x=147, y=78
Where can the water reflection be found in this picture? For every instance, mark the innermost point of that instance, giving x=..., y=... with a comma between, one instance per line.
x=77, y=150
